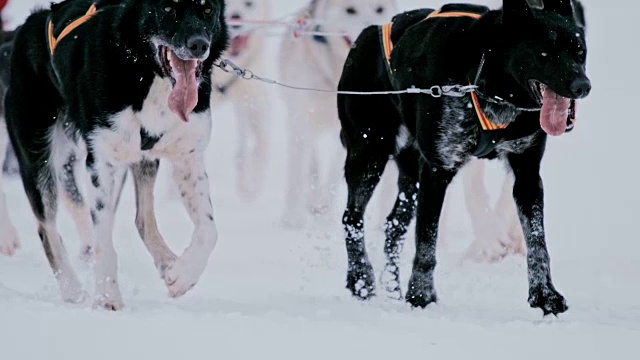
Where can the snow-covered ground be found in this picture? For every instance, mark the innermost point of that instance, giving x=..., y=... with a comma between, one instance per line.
x=275, y=293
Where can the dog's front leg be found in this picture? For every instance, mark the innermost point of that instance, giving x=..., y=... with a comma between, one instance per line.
x=433, y=187
x=529, y=197
x=103, y=176
x=144, y=177
x=193, y=183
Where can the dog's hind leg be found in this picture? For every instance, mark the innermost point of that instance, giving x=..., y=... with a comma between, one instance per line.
x=190, y=175
x=363, y=170
x=400, y=219
x=433, y=187
x=9, y=241
x=41, y=190
x=33, y=146
x=529, y=197
x=144, y=178
x=45, y=197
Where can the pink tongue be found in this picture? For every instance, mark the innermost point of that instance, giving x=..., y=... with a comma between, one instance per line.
x=184, y=96
x=238, y=45
x=554, y=113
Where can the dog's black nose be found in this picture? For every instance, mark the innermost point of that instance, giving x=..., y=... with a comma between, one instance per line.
x=581, y=87
x=198, y=46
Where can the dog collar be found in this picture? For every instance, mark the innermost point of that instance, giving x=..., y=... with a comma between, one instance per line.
x=53, y=41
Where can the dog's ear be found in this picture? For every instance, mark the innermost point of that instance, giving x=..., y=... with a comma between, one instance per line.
x=579, y=14
x=515, y=10
x=561, y=7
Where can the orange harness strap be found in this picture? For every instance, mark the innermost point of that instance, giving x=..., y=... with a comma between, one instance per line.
x=53, y=41
x=386, y=43
x=387, y=46
x=451, y=14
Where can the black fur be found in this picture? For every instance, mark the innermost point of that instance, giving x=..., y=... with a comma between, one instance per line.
x=442, y=134
x=104, y=66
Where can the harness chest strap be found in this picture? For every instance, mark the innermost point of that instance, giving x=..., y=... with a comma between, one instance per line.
x=53, y=41
x=387, y=46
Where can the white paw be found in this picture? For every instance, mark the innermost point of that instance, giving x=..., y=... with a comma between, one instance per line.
x=9, y=241
x=185, y=272
x=516, y=244
x=71, y=290
x=486, y=251
x=108, y=296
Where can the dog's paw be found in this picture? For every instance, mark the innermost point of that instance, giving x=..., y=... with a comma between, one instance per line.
x=73, y=295
x=108, y=304
x=421, y=292
x=184, y=273
x=516, y=244
x=390, y=280
x=361, y=281
x=486, y=251
x=108, y=296
x=547, y=299
x=9, y=241
x=71, y=290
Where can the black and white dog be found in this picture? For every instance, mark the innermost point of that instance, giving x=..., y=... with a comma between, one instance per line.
x=528, y=65
x=126, y=82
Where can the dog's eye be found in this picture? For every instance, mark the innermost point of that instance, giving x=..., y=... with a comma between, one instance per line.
x=168, y=9
x=208, y=11
x=248, y=4
x=380, y=10
x=351, y=10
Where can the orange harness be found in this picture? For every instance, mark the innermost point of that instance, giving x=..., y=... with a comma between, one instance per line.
x=53, y=41
x=387, y=46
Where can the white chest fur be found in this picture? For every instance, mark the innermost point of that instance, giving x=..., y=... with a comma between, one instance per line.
x=122, y=142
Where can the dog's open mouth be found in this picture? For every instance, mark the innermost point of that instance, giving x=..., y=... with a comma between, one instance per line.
x=184, y=75
x=555, y=111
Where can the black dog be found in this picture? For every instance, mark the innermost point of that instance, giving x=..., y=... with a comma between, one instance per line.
x=528, y=64
x=125, y=82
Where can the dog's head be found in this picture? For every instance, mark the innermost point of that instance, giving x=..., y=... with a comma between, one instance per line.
x=351, y=16
x=244, y=10
x=187, y=36
x=545, y=52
